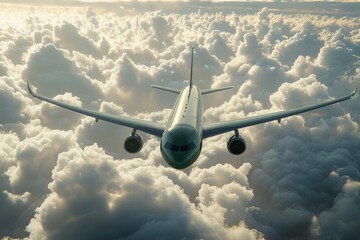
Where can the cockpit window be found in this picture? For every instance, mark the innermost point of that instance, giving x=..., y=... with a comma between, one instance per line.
x=174, y=148
x=182, y=148
x=167, y=145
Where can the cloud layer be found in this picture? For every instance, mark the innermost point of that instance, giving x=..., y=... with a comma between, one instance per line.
x=64, y=176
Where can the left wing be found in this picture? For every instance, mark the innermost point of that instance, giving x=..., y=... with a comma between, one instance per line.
x=138, y=124
x=173, y=90
x=213, y=129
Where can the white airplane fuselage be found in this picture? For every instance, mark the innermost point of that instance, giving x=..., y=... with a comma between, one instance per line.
x=181, y=141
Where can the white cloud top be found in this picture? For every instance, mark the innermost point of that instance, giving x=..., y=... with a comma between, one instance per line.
x=64, y=176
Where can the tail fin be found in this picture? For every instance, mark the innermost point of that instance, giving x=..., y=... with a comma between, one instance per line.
x=191, y=69
x=206, y=91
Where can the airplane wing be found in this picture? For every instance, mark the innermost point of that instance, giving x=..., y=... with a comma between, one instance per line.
x=142, y=125
x=213, y=129
x=173, y=90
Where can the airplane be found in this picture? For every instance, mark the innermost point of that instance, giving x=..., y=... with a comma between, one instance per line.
x=182, y=136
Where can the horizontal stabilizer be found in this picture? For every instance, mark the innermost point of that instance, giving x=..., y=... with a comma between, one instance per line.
x=173, y=90
x=206, y=91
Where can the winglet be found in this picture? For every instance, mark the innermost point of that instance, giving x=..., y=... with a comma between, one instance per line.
x=354, y=92
x=30, y=90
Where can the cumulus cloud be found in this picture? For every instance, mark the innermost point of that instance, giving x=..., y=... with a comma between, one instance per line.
x=64, y=175
x=12, y=103
x=59, y=69
x=342, y=216
x=306, y=43
x=69, y=38
x=124, y=202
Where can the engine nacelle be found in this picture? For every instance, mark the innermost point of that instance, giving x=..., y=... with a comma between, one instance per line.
x=133, y=143
x=236, y=145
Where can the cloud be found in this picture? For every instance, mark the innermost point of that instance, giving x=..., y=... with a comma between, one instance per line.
x=26, y=167
x=306, y=43
x=336, y=49
x=58, y=69
x=250, y=49
x=15, y=213
x=12, y=103
x=69, y=38
x=35, y=159
x=115, y=196
x=16, y=49
x=301, y=92
x=55, y=117
x=64, y=175
x=342, y=216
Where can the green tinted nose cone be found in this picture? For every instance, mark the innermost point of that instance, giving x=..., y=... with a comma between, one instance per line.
x=181, y=146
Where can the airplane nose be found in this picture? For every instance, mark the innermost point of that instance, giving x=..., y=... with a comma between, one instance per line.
x=179, y=160
x=180, y=157
x=180, y=146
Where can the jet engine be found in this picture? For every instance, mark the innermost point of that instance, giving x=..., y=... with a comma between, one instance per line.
x=133, y=143
x=236, y=144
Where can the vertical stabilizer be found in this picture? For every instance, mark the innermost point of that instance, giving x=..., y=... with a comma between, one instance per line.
x=191, y=68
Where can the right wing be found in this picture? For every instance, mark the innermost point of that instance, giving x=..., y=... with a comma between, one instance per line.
x=207, y=91
x=213, y=129
x=138, y=124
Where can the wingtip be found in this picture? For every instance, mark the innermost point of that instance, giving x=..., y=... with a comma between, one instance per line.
x=355, y=91
x=29, y=89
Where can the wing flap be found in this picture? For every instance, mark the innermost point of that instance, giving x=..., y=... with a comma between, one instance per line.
x=213, y=129
x=142, y=125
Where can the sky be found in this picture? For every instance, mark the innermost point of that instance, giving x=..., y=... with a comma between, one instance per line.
x=64, y=176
